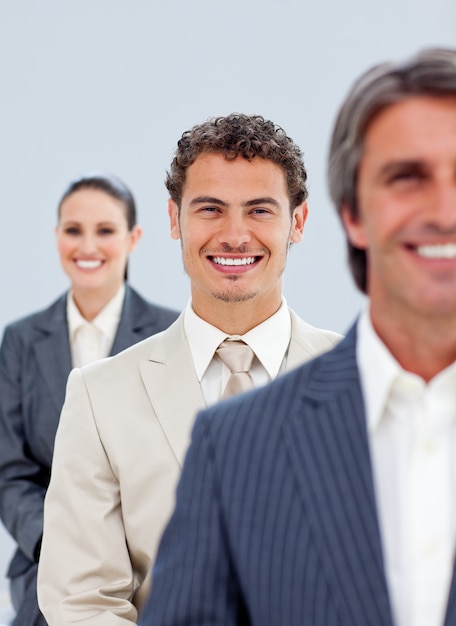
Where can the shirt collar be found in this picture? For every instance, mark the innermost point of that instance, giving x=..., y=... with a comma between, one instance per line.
x=269, y=340
x=105, y=322
x=378, y=370
x=380, y=373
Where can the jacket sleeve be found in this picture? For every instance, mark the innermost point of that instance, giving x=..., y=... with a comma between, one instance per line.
x=85, y=574
x=193, y=578
x=22, y=477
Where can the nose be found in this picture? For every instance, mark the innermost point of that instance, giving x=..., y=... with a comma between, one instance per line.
x=444, y=205
x=234, y=232
x=87, y=244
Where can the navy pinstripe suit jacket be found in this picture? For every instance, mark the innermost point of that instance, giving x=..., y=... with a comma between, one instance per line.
x=275, y=522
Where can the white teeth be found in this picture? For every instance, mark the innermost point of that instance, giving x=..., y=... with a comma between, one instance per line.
x=220, y=260
x=442, y=251
x=88, y=265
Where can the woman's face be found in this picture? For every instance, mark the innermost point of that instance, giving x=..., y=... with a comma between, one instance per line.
x=94, y=242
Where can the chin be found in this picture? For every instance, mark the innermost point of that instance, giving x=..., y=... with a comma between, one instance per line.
x=226, y=296
x=88, y=285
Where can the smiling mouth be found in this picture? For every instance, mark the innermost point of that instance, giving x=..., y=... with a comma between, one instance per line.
x=221, y=260
x=88, y=265
x=437, y=251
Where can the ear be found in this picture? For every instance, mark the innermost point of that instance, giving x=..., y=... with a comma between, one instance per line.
x=297, y=222
x=354, y=228
x=173, y=212
x=135, y=235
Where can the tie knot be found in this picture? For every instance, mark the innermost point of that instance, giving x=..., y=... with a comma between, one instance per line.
x=236, y=355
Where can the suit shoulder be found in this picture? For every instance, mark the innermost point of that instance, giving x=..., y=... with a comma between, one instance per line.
x=162, y=315
x=121, y=360
x=318, y=339
x=125, y=361
x=38, y=320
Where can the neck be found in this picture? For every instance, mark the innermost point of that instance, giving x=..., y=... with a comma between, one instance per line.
x=91, y=301
x=423, y=346
x=236, y=318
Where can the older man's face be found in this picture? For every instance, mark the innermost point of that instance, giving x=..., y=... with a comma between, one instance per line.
x=407, y=204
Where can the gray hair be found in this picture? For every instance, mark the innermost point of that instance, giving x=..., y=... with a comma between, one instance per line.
x=431, y=72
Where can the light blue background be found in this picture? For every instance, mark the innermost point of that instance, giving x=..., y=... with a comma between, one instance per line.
x=112, y=84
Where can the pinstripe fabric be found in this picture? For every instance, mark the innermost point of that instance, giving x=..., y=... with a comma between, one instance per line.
x=275, y=523
x=451, y=610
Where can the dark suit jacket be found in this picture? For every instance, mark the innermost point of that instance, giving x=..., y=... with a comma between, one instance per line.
x=35, y=362
x=276, y=522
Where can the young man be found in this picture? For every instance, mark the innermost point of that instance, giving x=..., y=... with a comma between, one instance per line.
x=328, y=497
x=238, y=201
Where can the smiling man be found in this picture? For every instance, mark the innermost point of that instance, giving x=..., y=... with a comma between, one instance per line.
x=327, y=498
x=238, y=201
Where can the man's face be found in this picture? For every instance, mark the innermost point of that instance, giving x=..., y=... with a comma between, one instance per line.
x=407, y=208
x=235, y=228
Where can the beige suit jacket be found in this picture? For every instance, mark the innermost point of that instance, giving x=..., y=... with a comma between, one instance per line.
x=121, y=441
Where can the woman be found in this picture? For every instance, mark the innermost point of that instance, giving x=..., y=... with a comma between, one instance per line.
x=100, y=315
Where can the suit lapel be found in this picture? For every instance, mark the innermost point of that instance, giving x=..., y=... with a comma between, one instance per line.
x=133, y=319
x=305, y=343
x=172, y=386
x=298, y=352
x=52, y=351
x=52, y=347
x=328, y=447
x=175, y=395
x=450, y=618
x=296, y=357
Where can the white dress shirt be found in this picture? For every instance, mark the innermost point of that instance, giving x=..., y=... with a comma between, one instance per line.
x=269, y=341
x=90, y=341
x=412, y=436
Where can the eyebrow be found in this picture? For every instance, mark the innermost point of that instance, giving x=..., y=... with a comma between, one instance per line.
x=78, y=223
x=207, y=200
x=249, y=203
x=265, y=200
x=393, y=166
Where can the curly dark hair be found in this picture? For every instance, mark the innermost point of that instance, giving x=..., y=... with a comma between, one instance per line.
x=239, y=135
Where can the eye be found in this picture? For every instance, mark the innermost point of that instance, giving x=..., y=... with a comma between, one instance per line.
x=210, y=210
x=406, y=175
x=105, y=231
x=260, y=211
x=72, y=230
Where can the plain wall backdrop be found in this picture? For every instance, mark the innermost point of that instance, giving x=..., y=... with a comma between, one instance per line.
x=112, y=84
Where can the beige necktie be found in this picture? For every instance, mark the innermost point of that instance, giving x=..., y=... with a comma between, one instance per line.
x=238, y=357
